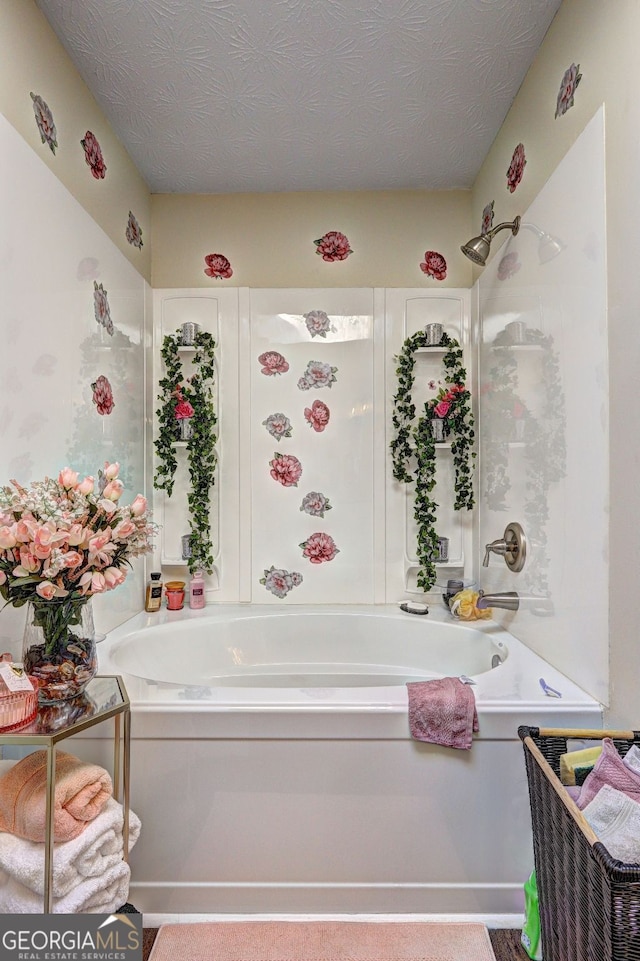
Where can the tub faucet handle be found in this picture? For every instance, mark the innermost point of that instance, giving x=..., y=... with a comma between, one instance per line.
x=513, y=547
x=495, y=547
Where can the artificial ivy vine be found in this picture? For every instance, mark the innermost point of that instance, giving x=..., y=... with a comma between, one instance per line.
x=196, y=390
x=417, y=442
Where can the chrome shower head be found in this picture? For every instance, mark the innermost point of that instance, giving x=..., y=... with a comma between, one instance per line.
x=477, y=249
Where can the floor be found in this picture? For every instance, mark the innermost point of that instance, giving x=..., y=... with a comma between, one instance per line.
x=506, y=944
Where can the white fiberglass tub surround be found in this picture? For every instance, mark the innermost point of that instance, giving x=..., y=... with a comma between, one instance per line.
x=274, y=771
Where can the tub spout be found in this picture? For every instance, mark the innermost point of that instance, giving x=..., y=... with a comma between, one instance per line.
x=508, y=600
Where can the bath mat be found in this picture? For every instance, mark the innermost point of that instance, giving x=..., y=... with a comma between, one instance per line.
x=322, y=941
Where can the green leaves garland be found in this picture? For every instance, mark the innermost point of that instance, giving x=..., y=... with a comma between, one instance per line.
x=201, y=452
x=416, y=442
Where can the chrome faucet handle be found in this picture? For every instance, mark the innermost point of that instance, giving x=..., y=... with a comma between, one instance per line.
x=495, y=547
x=513, y=547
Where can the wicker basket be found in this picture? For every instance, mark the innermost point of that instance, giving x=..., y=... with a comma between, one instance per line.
x=589, y=901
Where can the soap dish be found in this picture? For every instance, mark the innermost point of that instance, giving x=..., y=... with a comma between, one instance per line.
x=17, y=708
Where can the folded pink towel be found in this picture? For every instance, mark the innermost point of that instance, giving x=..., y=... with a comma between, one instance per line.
x=81, y=792
x=443, y=712
x=609, y=769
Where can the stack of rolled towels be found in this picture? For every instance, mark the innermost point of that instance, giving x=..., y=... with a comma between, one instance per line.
x=90, y=875
x=606, y=788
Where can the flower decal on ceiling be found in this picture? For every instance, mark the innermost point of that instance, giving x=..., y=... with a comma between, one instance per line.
x=44, y=120
x=317, y=416
x=217, y=267
x=508, y=266
x=280, y=582
x=315, y=504
x=487, y=218
x=434, y=265
x=272, y=363
x=93, y=156
x=101, y=308
x=278, y=425
x=319, y=548
x=516, y=168
x=333, y=246
x=570, y=81
x=103, y=395
x=318, y=323
x=133, y=233
x=317, y=375
x=285, y=469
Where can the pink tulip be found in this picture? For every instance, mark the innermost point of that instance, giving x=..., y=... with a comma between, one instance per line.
x=99, y=541
x=68, y=478
x=113, y=490
x=46, y=589
x=139, y=506
x=98, y=583
x=29, y=561
x=72, y=559
x=75, y=535
x=124, y=530
x=7, y=538
x=111, y=471
x=85, y=582
x=109, y=507
x=113, y=576
x=24, y=530
x=86, y=487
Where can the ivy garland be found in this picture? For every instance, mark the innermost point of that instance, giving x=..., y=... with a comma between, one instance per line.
x=417, y=442
x=201, y=453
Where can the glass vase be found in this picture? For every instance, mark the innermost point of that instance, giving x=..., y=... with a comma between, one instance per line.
x=59, y=647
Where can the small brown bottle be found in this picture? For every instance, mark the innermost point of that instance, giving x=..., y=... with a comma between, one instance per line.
x=153, y=600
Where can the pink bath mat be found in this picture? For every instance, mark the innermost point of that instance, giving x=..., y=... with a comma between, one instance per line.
x=322, y=941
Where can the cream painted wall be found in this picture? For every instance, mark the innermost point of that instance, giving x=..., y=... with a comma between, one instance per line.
x=268, y=238
x=33, y=60
x=602, y=39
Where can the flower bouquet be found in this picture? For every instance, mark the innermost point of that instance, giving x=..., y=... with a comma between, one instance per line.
x=61, y=542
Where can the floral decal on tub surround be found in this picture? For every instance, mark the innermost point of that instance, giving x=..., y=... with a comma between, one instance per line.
x=434, y=265
x=317, y=375
x=516, y=168
x=318, y=323
x=272, y=363
x=93, y=156
x=570, y=81
x=103, y=395
x=101, y=308
x=315, y=504
x=44, y=120
x=278, y=425
x=133, y=232
x=319, y=548
x=285, y=469
x=317, y=416
x=279, y=581
x=217, y=267
x=333, y=246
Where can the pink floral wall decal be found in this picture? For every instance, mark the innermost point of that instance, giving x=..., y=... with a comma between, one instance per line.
x=278, y=425
x=508, y=266
x=93, y=156
x=217, y=267
x=101, y=308
x=279, y=581
x=487, y=218
x=516, y=168
x=285, y=469
x=333, y=246
x=317, y=416
x=44, y=120
x=570, y=81
x=318, y=323
x=318, y=375
x=319, y=548
x=315, y=504
x=434, y=265
x=103, y=395
x=272, y=363
x=133, y=232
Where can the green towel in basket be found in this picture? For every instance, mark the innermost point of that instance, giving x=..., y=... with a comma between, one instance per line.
x=530, y=937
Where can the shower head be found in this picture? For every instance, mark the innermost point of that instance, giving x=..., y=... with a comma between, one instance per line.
x=477, y=249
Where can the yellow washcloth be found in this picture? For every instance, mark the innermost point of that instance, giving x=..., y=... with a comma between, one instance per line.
x=463, y=606
x=575, y=765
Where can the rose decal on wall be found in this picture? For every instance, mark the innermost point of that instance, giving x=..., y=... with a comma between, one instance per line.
x=570, y=81
x=318, y=323
x=280, y=582
x=434, y=265
x=103, y=395
x=317, y=416
x=272, y=363
x=133, y=232
x=516, y=168
x=315, y=504
x=508, y=266
x=217, y=267
x=487, y=218
x=278, y=425
x=317, y=375
x=101, y=308
x=333, y=246
x=285, y=469
x=319, y=548
x=44, y=120
x=93, y=156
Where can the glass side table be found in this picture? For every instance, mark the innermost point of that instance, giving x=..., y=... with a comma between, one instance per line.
x=104, y=697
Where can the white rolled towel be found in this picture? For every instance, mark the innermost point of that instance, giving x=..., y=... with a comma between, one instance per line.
x=632, y=759
x=91, y=854
x=99, y=895
x=615, y=819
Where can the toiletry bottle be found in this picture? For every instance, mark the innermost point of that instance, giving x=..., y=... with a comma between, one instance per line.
x=153, y=600
x=197, y=598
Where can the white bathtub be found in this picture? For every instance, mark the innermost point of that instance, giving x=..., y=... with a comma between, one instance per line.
x=274, y=771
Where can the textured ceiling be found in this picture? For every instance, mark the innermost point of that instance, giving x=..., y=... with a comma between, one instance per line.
x=222, y=96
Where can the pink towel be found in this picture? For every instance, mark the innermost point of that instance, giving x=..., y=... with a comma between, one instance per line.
x=443, y=712
x=609, y=769
x=81, y=792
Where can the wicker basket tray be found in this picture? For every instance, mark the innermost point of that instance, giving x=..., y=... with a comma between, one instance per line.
x=589, y=901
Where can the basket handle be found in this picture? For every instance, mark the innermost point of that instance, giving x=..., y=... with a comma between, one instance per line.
x=598, y=733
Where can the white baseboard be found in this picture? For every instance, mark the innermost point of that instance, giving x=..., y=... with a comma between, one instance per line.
x=491, y=920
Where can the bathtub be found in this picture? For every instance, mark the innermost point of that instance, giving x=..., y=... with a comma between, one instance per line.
x=274, y=771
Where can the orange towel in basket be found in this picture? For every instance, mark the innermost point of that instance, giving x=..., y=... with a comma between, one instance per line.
x=443, y=711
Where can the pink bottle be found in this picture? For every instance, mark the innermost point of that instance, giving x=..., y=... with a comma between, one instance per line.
x=197, y=597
